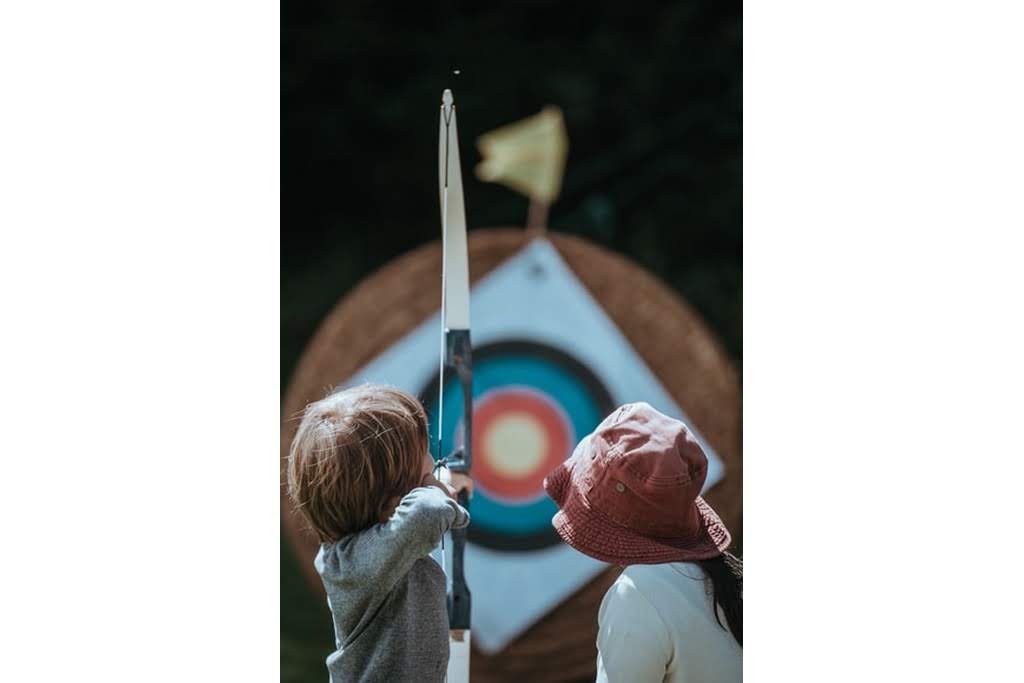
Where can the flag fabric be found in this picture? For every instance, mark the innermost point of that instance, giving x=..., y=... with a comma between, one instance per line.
x=528, y=156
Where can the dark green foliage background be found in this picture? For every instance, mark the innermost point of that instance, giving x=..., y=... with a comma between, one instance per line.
x=652, y=99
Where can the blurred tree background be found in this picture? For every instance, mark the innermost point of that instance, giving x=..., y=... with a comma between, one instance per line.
x=651, y=93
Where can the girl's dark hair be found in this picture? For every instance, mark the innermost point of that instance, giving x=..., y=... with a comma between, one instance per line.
x=726, y=575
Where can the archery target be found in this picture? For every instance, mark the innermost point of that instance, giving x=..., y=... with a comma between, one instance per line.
x=546, y=359
x=531, y=405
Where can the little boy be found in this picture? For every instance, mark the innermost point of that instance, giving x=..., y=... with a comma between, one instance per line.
x=361, y=472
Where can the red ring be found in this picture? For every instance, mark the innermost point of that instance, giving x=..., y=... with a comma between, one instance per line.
x=486, y=411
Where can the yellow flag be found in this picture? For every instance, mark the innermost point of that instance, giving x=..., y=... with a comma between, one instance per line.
x=528, y=156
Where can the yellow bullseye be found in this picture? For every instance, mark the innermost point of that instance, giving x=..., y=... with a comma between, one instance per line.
x=515, y=444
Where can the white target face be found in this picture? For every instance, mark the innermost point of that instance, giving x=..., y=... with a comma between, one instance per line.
x=548, y=366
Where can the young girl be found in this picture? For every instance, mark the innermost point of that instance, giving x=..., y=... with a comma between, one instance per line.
x=361, y=472
x=630, y=495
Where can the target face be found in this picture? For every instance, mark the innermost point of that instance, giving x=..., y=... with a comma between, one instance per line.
x=546, y=358
x=531, y=405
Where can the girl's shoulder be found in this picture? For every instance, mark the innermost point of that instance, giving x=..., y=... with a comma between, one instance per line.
x=669, y=586
x=666, y=575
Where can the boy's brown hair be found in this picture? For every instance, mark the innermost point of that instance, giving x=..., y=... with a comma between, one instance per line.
x=354, y=451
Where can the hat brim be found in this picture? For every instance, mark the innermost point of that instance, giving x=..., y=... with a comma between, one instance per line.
x=593, y=534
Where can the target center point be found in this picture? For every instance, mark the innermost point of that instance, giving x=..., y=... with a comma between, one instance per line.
x=515, y=445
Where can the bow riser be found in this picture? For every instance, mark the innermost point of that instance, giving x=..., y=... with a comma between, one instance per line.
x=458, y=357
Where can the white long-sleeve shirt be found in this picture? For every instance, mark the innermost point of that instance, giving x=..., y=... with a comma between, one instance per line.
x=656, y=625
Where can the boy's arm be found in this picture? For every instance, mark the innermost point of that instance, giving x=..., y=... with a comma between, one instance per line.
x=389, y=549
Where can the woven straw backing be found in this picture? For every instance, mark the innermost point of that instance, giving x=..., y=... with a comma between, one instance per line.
x=666, y=332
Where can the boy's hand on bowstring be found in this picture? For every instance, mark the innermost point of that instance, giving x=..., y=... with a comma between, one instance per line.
x=459, y=482
x=450, y=482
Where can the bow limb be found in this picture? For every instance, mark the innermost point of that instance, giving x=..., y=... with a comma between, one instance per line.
x=457, y=355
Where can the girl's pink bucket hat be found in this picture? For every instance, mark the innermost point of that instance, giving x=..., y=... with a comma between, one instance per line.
x=630, y=492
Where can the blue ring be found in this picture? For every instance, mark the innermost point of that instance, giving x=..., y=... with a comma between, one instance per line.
x=540, y=369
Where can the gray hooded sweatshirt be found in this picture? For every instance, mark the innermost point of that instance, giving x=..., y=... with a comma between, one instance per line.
x=388, y=597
